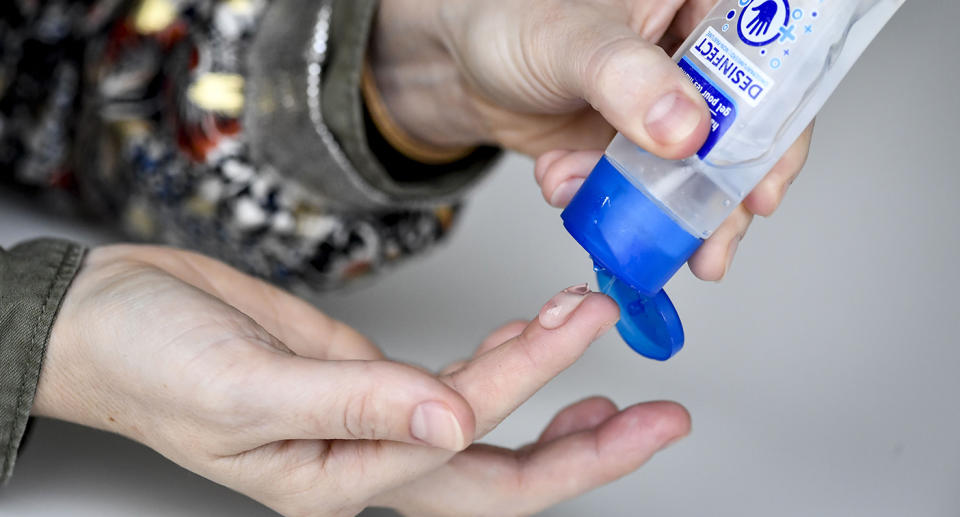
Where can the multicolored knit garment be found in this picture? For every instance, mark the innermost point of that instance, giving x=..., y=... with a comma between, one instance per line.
x=138, y=110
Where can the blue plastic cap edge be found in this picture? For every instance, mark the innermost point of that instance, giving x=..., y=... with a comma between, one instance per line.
x=649, y=325
x=626, y=232
x=636, y=248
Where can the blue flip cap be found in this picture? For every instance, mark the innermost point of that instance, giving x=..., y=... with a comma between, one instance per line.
x=636, y=248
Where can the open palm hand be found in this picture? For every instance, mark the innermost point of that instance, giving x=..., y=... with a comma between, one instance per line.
x=255, y=389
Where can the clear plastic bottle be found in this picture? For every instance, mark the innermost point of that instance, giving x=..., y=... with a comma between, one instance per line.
x=765, y=68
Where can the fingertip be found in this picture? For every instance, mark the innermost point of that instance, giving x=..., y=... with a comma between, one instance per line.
x=608, y=310
x=619, y=445
x=764, y=200
x=437, y=414
x=712, y=261
x=563, y=195
x=769, y=194
x=707, y=263
x=597, y=408
x=545, y=161
x=444, y=420
x=465, y=417
x=642, y=93
x=596, y=309
x=558, y=309
x=678, y=124
x=598, y=404
x=677, y=420
x=565, y=175
x=436, y=424
x=580, y=416
x=646, y=428
x=673, y=423
x=498, y=381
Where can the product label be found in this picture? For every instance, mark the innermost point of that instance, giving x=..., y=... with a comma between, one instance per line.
x=740, y=75
x=723, y=109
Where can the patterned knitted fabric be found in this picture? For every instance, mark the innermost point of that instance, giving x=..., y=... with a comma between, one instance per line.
x=135, y=109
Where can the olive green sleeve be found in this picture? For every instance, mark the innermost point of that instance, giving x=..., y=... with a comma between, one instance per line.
x=34, y=277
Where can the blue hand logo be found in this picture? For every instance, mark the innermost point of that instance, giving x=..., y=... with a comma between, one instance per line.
x=761, y=23
x=760, y=18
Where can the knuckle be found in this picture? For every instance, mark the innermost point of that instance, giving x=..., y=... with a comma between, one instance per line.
x=536, y=351
x=223, y=394
x=365, y=416
x=358, y=418
x=516, y=488
x=223, y=398
x=530, y=351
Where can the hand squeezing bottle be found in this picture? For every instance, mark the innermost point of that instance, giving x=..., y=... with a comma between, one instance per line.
x=765, y=68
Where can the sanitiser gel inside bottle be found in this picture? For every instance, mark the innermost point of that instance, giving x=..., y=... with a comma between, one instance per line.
x=765, y=68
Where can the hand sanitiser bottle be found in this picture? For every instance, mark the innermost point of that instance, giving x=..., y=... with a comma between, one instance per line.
x=764, y=68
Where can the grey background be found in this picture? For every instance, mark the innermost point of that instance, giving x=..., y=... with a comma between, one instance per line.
x=821, y=374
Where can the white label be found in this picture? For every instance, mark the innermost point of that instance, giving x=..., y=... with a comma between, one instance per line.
x=741, y=75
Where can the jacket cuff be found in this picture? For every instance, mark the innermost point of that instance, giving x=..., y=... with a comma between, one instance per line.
x=398, y=137
x=34, y=278
x=349, y=119
x=306, y=117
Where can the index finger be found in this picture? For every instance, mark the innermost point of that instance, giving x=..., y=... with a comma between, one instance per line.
x=493, y=383
x=500, y=380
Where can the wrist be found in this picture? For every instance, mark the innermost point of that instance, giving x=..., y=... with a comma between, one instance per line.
x=73, y=386
x=59, y=390
x=417, y=79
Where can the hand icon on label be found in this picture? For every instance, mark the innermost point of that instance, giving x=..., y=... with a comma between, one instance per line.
x=765, y=14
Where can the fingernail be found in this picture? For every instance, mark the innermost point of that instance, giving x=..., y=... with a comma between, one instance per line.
x=435, y=424
x=732, y=252
x=565, y=192
x=555, y=313
x=673, y=118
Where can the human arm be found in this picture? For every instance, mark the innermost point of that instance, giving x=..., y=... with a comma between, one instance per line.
x=245, y=384
x=556, y=80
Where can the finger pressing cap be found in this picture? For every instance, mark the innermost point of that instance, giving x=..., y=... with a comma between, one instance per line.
x=640, y=91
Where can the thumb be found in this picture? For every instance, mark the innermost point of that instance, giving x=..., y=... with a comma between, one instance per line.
x=302, y=398
x=637, y=88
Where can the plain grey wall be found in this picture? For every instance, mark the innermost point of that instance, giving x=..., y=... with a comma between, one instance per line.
x=821, y=375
